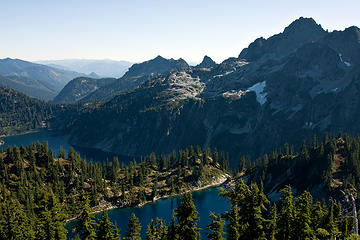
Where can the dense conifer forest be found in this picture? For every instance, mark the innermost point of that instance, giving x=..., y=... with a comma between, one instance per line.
x=40, y=192
x=19, y=112
x=38, y=189
x=332, y=164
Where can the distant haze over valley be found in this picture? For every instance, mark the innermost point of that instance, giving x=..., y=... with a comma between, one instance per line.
x=102, y=68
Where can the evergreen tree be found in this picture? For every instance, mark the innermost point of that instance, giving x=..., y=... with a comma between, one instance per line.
x=52, y=220
x=245, y=219
x=115, y=169
x=156, y=230
x=252, y=210
x=217, y=228
x=16, y=224
x=117, y=235
x=187, y=218
x=302, y=222
x=286, y=218
x=106, y=228
x=233, y=226
x=150, y=231
x=134, y=227
x=272, y=223
x=172, y=231
x=330, y=223
x=86, y=225
x=317, y=216
x=161, y=229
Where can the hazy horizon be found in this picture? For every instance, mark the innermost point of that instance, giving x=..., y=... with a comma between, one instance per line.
x=140, y=30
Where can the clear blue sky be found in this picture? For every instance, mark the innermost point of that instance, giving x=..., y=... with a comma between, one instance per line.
x=138, y=30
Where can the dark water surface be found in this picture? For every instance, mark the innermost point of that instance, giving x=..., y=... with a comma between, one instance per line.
x=206, y=201
x=56, y=141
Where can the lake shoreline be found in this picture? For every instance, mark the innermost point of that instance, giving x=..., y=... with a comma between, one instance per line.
x=23, y=133
x=218, y=183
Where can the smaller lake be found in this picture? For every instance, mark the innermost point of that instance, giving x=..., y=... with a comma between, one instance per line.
x=56, y=141
x=206, y=201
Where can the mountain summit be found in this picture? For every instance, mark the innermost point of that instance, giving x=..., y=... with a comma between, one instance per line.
x=207, y=62
x=156, y=66
x=299, y=32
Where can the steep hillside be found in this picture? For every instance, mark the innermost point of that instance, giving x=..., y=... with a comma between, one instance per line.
x=329, y=168
x=79, y=88
x=19, y=113
x=28, y=86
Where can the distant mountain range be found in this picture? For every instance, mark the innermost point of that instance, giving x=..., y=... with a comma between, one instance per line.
x=102, y=68
x=33, y=79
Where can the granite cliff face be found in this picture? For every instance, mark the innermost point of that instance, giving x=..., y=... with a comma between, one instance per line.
x=282, y=89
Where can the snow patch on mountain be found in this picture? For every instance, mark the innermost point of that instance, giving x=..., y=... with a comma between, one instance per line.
x=346, y=63
x=309, y=125
x=258, y=88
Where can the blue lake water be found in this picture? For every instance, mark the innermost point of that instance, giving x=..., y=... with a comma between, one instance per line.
x=56, y=141
x=26, y=139
x=206, y=201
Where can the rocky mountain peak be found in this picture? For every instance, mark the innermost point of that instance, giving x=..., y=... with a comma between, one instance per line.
x=353, y=33
x=303, y=25
x=158, y=58
x=207, y=62
x=156, y=65
x=298, y=33
x=182, y=63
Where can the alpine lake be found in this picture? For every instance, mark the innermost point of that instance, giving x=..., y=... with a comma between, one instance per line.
x=206, y=201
